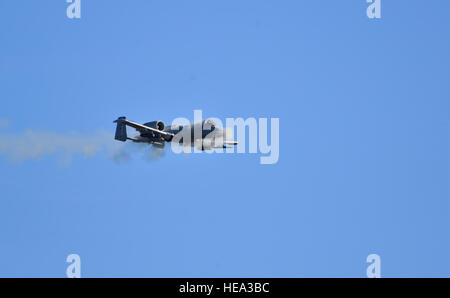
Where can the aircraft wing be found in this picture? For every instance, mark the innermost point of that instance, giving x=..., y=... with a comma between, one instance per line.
x=141, y=127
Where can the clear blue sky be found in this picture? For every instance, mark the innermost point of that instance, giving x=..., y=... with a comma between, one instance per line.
x=364, y=146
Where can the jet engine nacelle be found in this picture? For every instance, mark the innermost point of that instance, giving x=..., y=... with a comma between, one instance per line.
x=159, y=125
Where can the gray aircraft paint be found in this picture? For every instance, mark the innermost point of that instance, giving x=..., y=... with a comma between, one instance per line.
x=205, y=135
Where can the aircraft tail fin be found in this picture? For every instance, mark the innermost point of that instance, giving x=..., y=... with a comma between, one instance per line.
x=121, y=129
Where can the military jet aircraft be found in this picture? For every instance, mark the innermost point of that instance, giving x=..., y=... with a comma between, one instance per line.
x=204, y=135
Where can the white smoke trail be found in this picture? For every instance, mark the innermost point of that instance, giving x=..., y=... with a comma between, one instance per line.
x=33, y=145
x=128, y=150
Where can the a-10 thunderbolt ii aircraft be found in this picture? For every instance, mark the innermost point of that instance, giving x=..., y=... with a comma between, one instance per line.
x=204, y=135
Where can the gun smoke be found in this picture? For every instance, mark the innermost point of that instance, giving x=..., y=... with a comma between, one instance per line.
x=33, y=145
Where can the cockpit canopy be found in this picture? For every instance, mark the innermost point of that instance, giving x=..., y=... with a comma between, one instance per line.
x=209, y=125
